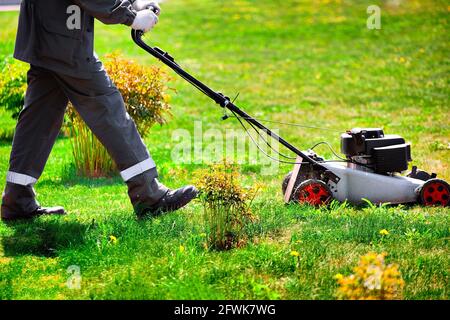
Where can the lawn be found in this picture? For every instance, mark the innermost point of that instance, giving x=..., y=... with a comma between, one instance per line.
x=309, y=62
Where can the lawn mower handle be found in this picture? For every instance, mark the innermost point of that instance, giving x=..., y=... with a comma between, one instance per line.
x=224, y=101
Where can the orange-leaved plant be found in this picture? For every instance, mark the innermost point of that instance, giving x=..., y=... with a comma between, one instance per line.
x=144, y=91
x=226, y=205
x=372, y=280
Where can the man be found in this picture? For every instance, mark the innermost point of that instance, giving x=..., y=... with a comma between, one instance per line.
x=56, y=38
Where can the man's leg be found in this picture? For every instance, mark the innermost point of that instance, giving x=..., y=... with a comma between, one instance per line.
x=38, y=126
x=101, y=106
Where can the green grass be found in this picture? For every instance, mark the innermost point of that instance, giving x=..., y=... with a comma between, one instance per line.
x=315, y=64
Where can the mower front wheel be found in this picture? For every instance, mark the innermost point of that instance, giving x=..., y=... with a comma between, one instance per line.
x=313, y=192
x=435, y=192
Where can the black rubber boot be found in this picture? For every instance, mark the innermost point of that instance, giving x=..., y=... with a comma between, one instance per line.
x=171, y=201
x=19, y=203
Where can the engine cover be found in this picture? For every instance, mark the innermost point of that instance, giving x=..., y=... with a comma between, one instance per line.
x=393, y=158
x=383, y=153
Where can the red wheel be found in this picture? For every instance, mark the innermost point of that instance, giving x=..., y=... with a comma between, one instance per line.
x=313, y=192
x=435, y=192
x=304, y=174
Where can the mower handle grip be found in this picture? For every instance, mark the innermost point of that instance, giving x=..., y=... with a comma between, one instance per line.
x=137, y=34
x=154, y=9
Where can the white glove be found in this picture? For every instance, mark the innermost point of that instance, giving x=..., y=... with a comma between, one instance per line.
x=145, y=20
x=140, y=5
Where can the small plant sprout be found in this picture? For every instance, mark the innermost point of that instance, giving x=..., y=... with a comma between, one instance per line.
x=295, y=252
x=296, y=255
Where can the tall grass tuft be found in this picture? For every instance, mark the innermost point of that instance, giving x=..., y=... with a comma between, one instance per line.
x=13, y=84
x=90, y=157
x=145, y=95
x=226, y=205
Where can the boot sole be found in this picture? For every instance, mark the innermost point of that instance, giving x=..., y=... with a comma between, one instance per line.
x=31, y=217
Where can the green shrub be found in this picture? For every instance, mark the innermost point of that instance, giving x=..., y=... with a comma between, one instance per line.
x=144, y=92
x=6, y=134
x=13, y=84
x=226, y=205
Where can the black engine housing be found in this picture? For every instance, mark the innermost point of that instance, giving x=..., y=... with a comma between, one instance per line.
x=371, y=147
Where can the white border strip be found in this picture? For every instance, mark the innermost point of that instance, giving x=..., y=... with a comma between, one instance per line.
x=21, y=179
x=137, y=169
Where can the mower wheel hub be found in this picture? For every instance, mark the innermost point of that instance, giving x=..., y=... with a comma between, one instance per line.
x=313, y=192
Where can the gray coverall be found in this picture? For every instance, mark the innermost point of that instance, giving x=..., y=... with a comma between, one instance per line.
x=64, y=67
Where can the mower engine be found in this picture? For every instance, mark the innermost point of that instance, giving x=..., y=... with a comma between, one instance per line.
x=384, y=154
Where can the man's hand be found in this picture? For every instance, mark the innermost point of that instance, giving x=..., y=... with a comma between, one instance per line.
x=140, y=5
x=145, y=20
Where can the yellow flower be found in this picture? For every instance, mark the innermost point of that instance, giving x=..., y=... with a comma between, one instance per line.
x=113, y=239
x=339, y=276
x=384, y=232
x=295, y=253
x=182, y=248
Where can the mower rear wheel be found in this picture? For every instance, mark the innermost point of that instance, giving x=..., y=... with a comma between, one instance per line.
x=304, y=174
x=313, y=192
x=435, y=192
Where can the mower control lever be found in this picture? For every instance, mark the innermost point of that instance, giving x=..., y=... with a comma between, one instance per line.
x=165, y=54
x=225, y=101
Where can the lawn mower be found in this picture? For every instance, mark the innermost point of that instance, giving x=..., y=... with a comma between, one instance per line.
x=370, y=170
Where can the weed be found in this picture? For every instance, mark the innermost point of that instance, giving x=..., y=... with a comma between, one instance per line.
x=226, y=205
